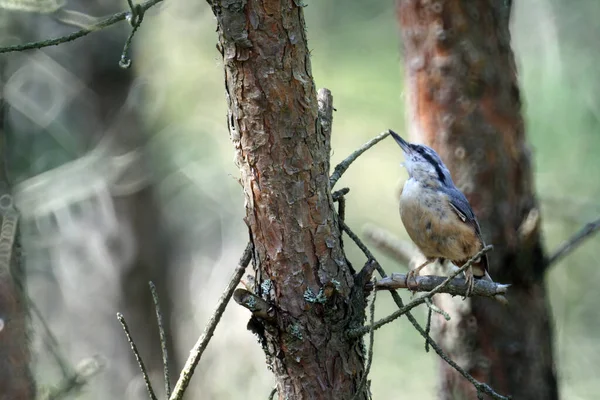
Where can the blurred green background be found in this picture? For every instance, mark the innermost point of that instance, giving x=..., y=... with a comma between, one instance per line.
x=355, y=51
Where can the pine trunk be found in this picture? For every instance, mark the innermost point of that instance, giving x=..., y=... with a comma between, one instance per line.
x=283, y=156
x=464, y=101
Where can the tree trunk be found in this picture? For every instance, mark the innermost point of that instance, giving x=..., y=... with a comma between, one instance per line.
x=283, y=156
x=464, y=101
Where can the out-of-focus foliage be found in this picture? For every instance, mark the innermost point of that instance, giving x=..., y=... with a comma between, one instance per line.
x=356, y=54
x=40, y=6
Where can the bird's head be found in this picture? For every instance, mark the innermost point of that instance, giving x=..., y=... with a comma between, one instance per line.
x=423, y=163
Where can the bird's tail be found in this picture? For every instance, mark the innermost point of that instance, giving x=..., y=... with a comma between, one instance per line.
x=487, y=277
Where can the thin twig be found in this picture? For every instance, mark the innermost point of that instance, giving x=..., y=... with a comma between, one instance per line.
x=135, y=18
x=436, y=309
x=363, y=380
x=420, y=300
x=567, y=247
x=273, y=393
x=108, y=21
x=481, y=387
x=163, y=338
x=428, y=329
x=426, y=283
x=200, y=346
x=343, y=166
x=137, y=355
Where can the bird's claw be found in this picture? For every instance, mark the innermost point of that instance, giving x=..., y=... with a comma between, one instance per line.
x=412, y=274
x=470, y=283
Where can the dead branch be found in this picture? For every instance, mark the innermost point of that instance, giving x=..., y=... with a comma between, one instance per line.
x=163, y=339
x=343, y=166
x=138, y=356
x=479, y=386
x=200, y=346
x=436, y=309
x=577, y=239
x=426, y=283
x=259, y=307
x=106, y=22
x=420, y=300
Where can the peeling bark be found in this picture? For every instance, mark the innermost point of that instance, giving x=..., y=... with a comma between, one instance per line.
x=283, y=156
x=464, y=101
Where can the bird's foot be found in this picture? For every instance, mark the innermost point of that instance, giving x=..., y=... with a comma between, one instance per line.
x=470, y=282
x=413, y=273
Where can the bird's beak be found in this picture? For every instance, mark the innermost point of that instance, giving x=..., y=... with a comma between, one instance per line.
x=403, y=143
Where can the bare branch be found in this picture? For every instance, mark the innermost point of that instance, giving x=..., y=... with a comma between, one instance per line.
x=200, y=346
x=338, y=194
x=481, y=387
x=436, y=309
x=420, y=300
x=163, y=338
x=426, y=283
x=343, y=166
x=259, y=307
x=138, y=356
x=567, y=247
x=273, y=393
x=111, y=20
x=428, y=329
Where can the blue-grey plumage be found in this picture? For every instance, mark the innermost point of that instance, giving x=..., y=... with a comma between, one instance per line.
x=437, y=216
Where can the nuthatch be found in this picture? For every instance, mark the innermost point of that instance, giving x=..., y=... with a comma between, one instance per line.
x=437, y=216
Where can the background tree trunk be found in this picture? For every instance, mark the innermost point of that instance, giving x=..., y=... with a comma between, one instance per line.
x=463, y=100
x=283, y=156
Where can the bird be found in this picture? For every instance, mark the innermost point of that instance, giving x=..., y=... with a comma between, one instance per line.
x=437, y=216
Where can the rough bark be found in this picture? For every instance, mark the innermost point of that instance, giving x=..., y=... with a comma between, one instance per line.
x=283, y=156
x=464, y=101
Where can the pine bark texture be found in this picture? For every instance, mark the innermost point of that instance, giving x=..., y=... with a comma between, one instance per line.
x=283, y=156
x=464, y=101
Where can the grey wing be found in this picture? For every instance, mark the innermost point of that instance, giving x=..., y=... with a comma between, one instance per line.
x=461, y=206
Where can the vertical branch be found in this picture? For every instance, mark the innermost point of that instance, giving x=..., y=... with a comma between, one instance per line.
x=163, y=339
x=464, y=101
